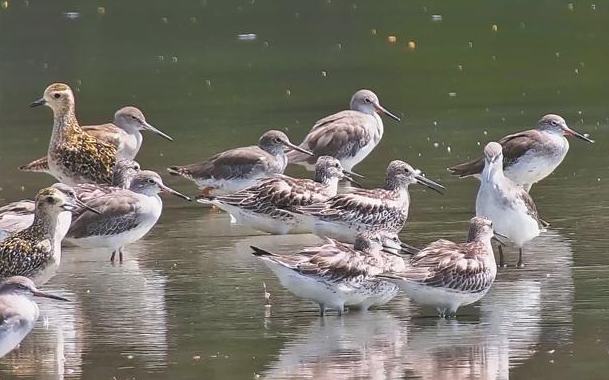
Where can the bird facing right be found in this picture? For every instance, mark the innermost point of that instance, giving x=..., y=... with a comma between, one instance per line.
x=447, y=275
x=529, y=156
x=236, y=169
x=335, y=274
x=507, y=204
x=348, y=136
x=18, y=312
x=124, y=216
x=265, y=206
x=383, y=210
x=36, y=250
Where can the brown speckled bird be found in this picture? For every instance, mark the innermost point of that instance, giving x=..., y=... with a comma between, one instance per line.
x=74, y=156
x=36, y=251
x=124, y=133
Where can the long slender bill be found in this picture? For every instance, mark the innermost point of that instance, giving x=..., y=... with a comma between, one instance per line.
x=430, y=184
x=152, y=129
x=385, y=111
x=570, y=132
x=169, y=190
x=87, y=207
x=38, y=293
x=296, y=147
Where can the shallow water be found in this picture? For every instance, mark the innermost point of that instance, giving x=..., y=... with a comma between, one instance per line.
x=188, y=302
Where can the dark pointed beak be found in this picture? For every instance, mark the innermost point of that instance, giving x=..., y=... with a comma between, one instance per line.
x=152, y=129
x=569, y=132
x=169, y=190
x=380, y=109
x=430, y=184
x=38, y=293
x=87, y=207
x=39, y=102
x=349, y=176
x=296, y=147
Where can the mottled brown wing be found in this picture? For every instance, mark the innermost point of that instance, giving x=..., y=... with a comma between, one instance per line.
x=449, y=265
x=108, y=133
x=278, y=192
x=340, y=135
x=39, y=165
x=15, y=247
x=369, y=207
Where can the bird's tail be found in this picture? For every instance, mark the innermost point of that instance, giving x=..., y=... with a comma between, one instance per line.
x=179, y=170
x=261, y=252
x=40, y=165
x=468, y=168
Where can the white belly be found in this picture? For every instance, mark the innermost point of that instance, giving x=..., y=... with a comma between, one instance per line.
x=509, y=220
x=349, y=162
x=261, y=222
x=306, y=287
x=443, y=300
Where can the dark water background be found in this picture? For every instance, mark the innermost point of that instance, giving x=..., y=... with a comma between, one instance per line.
x=188, y=302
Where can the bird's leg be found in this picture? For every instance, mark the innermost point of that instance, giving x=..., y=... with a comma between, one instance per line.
x=520, y=262
x=322, y=309
x=501, y=259
x=120, y=255
x=112, y=256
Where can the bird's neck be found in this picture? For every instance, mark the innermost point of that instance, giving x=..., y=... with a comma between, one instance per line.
x=44, y=224
x=64, y=123
x=330, y=183
x=493, y=173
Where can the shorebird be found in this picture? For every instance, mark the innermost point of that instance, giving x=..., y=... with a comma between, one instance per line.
x=263, y=206
x=36, y=250
x=124, y=134
x=508, y=205
x=125, y=216
x=383, y=210
x=18, y=312
x=74, y=156
x=529, y=156
x=19, y=215
x=236, y=169
x=447, y=275
x=335, y=274
x=349, y=135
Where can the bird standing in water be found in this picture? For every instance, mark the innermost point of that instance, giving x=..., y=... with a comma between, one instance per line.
x=506, y=204
x=348, y=136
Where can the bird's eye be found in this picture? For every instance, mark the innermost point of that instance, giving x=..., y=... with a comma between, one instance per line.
x=277, y=140
x=554, y=123
x=50, y=200
x=337, y=165
x=150, y=180
x=367, y=100
x=57, y=95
